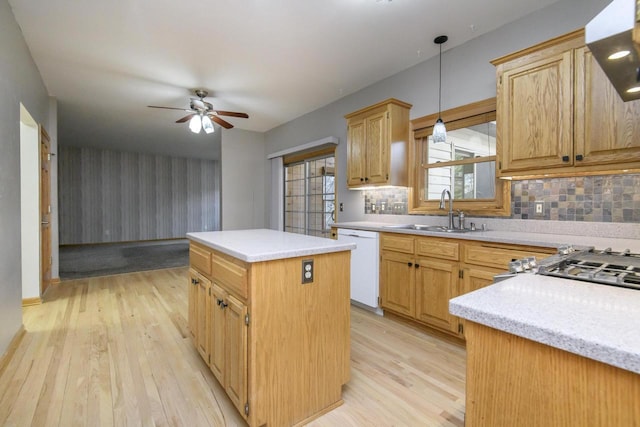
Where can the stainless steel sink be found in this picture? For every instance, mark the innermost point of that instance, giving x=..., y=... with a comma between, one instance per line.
x=422, y=227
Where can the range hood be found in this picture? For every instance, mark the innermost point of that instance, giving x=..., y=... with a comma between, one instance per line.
x=610, y=33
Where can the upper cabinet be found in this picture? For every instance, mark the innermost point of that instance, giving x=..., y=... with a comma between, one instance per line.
x=557, y=113
x=377, y=144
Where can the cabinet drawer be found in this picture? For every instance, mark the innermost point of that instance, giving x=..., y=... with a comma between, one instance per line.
x=397, y=243
x=437, y=248
x=200, y=259
x=230, y=275
x=499, y=256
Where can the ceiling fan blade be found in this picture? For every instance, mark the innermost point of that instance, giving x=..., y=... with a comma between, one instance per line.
x=221, y=122
x=185, y=118
x=168, y=108
x=231, y=114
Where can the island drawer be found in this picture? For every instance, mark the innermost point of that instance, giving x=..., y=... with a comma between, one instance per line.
x=496, y=255
x=437, y=248
x=230, y=275
x=397, y=243
x=200, y=258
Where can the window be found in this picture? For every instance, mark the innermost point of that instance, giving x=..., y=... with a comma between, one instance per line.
x=465, y=165
x=309, y=195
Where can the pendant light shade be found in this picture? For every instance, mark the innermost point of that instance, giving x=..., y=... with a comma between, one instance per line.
x=439, y=130
x=207, y=125
x=195, y=124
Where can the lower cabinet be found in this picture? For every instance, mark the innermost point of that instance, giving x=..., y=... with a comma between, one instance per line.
x=420, y=274
x=199, y=312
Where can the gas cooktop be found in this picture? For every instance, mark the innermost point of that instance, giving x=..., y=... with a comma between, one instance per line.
x=606, y=267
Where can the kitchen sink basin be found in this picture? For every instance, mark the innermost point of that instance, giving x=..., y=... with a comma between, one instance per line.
x=422, y=227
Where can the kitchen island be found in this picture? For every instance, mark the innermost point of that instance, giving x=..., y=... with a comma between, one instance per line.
x=551, y=351
x=269, y=313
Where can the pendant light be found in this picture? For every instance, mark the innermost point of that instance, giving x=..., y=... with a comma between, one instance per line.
x=439, y=130
x=195, y=124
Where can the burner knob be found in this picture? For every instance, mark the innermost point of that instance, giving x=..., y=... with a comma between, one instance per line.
x=565, y=249
x=516, y=266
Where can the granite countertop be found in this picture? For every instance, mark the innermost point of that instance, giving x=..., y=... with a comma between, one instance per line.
x=592, y=320
x=550, y=240
x=265, y=245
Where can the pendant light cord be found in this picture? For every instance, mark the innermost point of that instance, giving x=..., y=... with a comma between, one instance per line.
x=440, y=85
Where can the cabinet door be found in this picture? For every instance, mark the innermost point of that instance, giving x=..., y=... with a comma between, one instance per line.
x=377, y=137
x=535, y=104
x=204, y=317
x=236, y=353
x=193, y=306
x=217, y=340
x=436, y=284
x=607, y=129
x=474, y=278
x=356, y=153
x=397, y=279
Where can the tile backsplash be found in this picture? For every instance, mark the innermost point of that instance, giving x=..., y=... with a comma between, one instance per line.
x=610, y=198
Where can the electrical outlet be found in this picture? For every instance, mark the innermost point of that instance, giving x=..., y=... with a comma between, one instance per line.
x=341, y=207
x=373, y=207
x=382, y=206
x=539, y=207
x=307, y=271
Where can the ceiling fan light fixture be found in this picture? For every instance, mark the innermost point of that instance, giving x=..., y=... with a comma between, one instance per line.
x=195, y=124
x=439, y=130
x=207, y=125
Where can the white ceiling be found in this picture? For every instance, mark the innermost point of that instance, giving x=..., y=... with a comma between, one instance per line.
x=276, y=60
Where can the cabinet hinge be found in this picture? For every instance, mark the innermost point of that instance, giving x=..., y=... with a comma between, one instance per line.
x=379, y=301
x=209, y=291
x=500, y=80
x=246, y=409
x=49, y=209
x=51, y=260
x=209, y=359
x=461, y=274
x=387, y=114
x=48, y=157
x=460, y=328
x=499, y=165
x=246, y=319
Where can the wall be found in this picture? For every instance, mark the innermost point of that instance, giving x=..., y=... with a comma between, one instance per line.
x=114, y=196
x=243, y=187
x=467, y=74
x=19, y=82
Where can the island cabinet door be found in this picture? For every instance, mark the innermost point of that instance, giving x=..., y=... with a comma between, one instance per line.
x=236, y=353
x=193, y=306
x=217, y=347
x=436, y=284
x=397, y=277
x=204, y=317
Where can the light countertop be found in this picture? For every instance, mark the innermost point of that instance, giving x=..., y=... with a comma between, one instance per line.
x=550, y=240
x=596, y=321
x=265, y=245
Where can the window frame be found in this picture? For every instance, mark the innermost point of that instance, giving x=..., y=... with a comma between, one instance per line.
x=456, y=118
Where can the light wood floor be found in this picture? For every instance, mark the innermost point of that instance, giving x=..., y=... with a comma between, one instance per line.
x=115, y=351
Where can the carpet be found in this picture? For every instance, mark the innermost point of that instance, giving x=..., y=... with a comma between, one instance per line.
x=79, y=261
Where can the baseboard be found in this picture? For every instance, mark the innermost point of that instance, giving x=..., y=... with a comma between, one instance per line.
x=26, y=302
x=55, y=281
x=11, y=349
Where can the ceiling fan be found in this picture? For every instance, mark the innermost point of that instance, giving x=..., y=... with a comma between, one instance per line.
x=201, y=114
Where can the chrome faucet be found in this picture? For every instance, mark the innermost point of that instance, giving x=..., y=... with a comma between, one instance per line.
x=447, y=192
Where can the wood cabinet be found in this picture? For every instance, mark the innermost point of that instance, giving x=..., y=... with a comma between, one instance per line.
x=279, y=348
x=558, y=114
x=419, y=274
x=377, y=144
x=418, y=277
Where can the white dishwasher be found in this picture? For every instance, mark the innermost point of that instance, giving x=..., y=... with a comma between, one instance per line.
x=365, y=262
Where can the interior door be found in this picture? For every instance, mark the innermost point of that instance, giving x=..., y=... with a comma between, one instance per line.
x=45, y=211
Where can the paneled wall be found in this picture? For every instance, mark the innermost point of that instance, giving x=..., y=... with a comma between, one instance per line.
x=112, y=196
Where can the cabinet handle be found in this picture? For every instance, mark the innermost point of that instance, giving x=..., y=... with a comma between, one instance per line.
x=366, y=179
x=410, y=264
x=195, y=281
x=579, y=157
x=565, y=158
x=221, y=303
x=361, y=179
x=417, y=265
